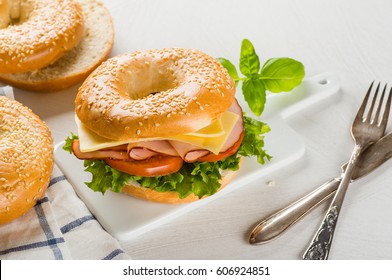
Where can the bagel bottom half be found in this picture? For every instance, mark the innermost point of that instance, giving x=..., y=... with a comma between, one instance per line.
x=75, y=65
x=138, y=191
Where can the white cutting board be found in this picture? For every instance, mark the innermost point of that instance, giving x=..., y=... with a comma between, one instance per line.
x=125, y=217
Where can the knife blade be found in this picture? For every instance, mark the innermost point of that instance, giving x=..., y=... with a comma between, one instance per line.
x=275, y=224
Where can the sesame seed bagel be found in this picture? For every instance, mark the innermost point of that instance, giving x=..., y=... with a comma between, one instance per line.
x=154, y=93
x=26, y=159
x=43, y=32
x=75, y=65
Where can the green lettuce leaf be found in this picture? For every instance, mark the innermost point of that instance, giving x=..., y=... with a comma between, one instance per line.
x=253, y=142
x=68, y=143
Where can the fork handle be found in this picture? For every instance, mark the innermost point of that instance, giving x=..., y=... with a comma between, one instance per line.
x=275, y=224
x=320, y=246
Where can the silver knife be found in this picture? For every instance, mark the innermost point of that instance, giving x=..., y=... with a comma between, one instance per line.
x=272, y=226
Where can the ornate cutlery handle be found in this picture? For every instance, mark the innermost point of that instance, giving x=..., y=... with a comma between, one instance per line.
x=271, y=227
x=320, y=246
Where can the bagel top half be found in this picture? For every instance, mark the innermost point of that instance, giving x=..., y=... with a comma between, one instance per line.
x=26, y=159
x=37, y=33
x=154, y=93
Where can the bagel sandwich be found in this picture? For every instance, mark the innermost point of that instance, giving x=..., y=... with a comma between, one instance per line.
x=69, y=65
x=162, y=125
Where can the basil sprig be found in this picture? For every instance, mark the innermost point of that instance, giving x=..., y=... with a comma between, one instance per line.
x=276, y=75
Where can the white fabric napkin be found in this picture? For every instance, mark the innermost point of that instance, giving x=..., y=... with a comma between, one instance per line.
x=60, y=226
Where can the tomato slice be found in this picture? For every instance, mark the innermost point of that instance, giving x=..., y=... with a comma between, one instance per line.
x=155, y=166
x=221, y=156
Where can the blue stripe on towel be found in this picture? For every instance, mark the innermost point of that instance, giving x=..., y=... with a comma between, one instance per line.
x=42, y=200
x=40, y=244
x=48, y=231
x=56, y=180
x=113, y=254
x=76, y=223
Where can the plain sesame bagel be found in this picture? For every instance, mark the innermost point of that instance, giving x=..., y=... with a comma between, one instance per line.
x=154, y=93
x=26, y=159
x=43, y=32
x=75, y=65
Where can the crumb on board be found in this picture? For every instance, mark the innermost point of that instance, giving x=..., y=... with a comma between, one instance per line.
x=271, y=183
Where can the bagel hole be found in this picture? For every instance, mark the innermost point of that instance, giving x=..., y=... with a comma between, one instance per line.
x=19, y=12
x=147, y=80
x=142, y=89
x=140, y=94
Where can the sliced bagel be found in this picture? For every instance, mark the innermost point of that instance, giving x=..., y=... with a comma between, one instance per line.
x=78, y=63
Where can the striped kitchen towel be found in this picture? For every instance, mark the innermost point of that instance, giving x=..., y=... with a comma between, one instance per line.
x=59, y=226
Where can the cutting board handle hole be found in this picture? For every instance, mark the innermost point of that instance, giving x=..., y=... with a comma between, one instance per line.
x=323, y=82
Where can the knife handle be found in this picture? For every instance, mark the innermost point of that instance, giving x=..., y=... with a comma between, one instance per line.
x=272, y=226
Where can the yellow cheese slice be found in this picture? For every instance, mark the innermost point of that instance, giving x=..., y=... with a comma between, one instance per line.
x=90, y=141
x=211, y=138
x=213, y=144
x=213, y=130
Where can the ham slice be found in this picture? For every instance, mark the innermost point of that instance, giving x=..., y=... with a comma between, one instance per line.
x=147, y=149
x=141, y=153
x=188, y=152
x=238, y=127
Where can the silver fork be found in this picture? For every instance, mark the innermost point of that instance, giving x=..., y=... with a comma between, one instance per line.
x=365, y=130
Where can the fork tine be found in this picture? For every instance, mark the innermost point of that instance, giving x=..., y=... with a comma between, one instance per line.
x=361, y=110
x=369, y=116
x=377, y=116
x=385, y=117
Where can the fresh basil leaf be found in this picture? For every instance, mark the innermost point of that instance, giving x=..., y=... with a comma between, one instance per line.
x=249, y=61
x=282, y=74
x=230, y=68
x=255, y=95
